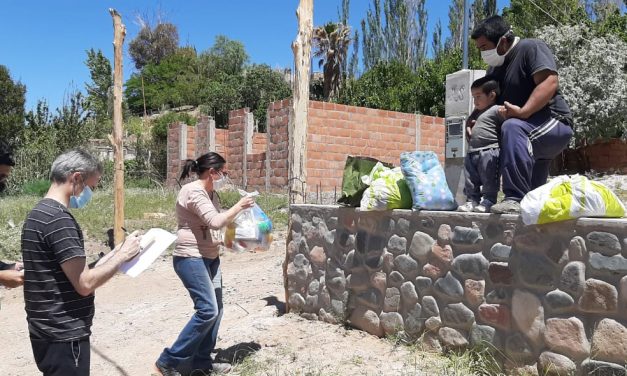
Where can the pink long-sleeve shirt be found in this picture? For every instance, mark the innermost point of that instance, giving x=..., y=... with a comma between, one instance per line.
x=197, y=212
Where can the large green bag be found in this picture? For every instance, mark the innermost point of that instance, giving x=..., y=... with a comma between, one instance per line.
x=352, y=186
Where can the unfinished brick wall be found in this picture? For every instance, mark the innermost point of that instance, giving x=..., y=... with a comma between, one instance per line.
x=222, y=136
x=260, y=143
x=334, y=132
x=234, y=146
x=276, y=163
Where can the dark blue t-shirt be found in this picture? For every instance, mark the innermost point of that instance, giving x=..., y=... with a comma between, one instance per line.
x=515, y=77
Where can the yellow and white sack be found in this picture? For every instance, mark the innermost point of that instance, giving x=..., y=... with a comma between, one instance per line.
x=387, y=189
x=567, y=197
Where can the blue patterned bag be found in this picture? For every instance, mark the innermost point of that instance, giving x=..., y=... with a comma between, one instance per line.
x=427, y=182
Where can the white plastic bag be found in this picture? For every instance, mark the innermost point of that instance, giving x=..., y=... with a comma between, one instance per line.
x=387, y=189
x=567, y=197
x=250, y=230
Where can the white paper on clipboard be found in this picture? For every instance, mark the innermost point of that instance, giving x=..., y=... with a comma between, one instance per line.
x=153, y=243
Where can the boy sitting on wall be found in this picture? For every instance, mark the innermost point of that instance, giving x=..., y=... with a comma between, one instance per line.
x=481, y=164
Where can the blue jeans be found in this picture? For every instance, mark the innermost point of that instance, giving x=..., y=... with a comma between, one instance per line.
x=483, y=177
x=527, y=149
x=203, y=280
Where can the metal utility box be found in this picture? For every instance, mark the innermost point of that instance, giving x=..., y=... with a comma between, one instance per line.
x=458, y=106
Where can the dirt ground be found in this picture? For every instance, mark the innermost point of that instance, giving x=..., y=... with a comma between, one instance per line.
x=137, y=317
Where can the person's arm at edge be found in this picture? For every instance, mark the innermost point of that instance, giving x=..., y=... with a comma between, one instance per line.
x=11, y=278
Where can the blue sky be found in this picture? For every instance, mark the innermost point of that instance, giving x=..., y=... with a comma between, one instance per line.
x=44, y=42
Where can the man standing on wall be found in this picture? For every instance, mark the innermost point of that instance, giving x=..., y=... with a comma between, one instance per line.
x=539, y=121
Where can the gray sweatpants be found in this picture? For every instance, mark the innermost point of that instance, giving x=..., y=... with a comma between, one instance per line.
x=481, y=169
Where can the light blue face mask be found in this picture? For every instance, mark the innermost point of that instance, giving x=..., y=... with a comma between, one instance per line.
x=82, y=200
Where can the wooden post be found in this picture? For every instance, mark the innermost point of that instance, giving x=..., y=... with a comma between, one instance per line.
x=297, y=126
x=300, y=103
x=119, y=32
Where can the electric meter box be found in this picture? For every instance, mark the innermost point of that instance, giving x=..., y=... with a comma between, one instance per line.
x=458, y=106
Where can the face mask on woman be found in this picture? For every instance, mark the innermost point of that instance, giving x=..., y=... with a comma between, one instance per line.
x=79, y=202
x=219, y=183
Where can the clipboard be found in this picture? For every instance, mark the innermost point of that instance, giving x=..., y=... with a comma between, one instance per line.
x=152, y=245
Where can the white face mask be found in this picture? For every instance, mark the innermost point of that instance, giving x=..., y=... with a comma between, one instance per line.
x=492, y=58
x=219, y=183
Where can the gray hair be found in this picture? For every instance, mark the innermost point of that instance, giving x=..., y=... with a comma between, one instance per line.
x=76, y=160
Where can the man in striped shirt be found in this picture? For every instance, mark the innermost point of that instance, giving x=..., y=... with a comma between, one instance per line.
x=58, y=285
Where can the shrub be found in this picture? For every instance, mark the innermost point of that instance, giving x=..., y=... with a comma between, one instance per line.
x=593, y=79
x=160, y=126
x=37, y=187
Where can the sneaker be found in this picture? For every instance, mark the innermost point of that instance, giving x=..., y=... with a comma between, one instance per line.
x=506, y=207
x=467, y=207
x=483, y=207
x=163, y=370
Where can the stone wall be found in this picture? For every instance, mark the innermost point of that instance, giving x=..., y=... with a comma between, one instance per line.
x=550, y=297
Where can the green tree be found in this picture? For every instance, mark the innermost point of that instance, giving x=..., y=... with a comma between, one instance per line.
x=388, y=85
x=372, y=34
x=455, y=24
x=171, y=83
x=220, y=95
x=611, y=21
x=153, y=44
x=525, y=16
x=331, y=43
x=353, y=63
x=344, y=17
x=436, y=42
x=400, y=35
x=40, y=118
x=71, y=122
x=262, y=86
x=479, y=10
x=222, y=69
x=99, y=101
x=12, y=99
x=224, y=56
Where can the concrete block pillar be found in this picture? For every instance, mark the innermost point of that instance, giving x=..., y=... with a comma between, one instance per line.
x=211, y=134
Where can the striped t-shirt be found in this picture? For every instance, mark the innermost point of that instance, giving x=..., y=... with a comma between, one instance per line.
x=54, y=310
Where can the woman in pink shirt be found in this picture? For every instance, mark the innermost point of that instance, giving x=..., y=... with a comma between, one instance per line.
x=197, y=263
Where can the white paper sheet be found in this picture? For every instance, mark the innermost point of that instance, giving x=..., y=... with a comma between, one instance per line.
x=153, y=244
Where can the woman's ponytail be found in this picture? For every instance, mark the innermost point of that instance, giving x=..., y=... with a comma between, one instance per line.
x=189, y=167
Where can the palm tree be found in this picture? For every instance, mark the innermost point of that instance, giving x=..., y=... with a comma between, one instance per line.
x=331, y=42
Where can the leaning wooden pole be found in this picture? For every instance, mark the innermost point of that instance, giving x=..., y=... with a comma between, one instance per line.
x=297, y=127
x=301, y=47
x=119, y=32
